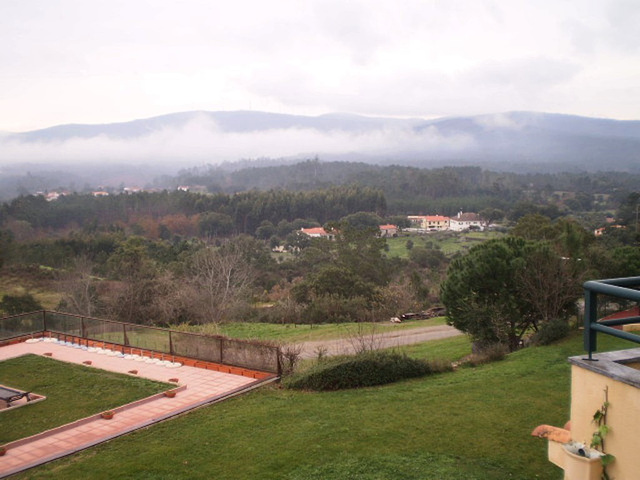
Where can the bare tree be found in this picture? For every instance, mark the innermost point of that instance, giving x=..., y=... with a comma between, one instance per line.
x=77, y=287
x=223, y=279
x=365, y=339
x=290, y=357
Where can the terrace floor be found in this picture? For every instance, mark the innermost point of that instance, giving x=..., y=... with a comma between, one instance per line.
x=195, y=387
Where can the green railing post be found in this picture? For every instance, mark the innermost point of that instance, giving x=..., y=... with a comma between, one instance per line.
x=590, y=316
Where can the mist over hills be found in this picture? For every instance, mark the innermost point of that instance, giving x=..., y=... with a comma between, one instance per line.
x=140, y=150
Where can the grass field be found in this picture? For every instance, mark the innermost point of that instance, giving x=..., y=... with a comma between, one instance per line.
x=72, y=391
x=449, y=242
x=471, y=424
x=41, y=290
x=293, y=333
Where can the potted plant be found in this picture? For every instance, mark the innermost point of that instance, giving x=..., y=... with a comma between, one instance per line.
x=590, y=463
x=170, y=393
x=581, y=462
x=3, y=450
x=108, y=415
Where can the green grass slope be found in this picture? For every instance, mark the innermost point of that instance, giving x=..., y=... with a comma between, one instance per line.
x=471, y=424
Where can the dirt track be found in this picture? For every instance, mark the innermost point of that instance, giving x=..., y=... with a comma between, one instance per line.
x=344, y=346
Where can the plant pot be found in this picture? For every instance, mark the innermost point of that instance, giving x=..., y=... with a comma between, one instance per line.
x=170, y=393
x=577, y=467
x=107, y=415
x=3, y=450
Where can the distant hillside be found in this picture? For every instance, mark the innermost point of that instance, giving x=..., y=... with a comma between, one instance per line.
x=514, y=141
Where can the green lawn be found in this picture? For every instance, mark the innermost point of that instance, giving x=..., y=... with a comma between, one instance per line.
x=449, y=242
x=72, y=391
x=293, y=333
x=449, y=349
x=471, y=424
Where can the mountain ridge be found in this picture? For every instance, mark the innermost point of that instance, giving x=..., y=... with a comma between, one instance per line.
x=502, y=140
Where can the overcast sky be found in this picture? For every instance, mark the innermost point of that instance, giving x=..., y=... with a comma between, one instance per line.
x=94, y=61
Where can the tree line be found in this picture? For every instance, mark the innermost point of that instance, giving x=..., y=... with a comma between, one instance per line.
x=173, y=256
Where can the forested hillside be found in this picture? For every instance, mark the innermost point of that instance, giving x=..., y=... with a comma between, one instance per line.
x=236, y=251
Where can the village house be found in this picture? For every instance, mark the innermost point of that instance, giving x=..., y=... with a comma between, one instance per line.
x=388, y=230
x=466, y=221
x=429, y=222
x=318, y=232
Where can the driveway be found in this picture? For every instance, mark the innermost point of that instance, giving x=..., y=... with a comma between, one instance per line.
x=354, y=343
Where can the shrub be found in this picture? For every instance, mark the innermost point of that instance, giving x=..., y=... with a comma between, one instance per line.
x=336, y=309
x=551, y=332
x=15, y=304
x=362, y=370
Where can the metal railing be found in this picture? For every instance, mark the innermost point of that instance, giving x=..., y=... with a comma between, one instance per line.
x=210, y=348
x=619, y=288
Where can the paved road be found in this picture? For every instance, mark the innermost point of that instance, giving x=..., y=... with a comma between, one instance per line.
x=345, y=346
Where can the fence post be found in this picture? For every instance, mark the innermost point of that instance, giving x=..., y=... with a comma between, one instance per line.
x=171, y=344
x=221, y=340
x=590, y=315
x=44, y=321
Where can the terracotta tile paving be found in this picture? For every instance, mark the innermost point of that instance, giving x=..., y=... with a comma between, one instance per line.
x=196, y=387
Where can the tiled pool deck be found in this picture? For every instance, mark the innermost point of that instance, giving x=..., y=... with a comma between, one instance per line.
x=195, y=387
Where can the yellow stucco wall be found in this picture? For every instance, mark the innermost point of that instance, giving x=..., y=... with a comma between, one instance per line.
x=623, y=418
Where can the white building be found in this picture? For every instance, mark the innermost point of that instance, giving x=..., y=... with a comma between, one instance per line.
x=466, y=221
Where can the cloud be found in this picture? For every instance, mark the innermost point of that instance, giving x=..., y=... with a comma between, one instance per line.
x=202, y=141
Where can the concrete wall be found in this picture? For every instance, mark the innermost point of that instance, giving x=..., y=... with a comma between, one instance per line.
x=588, y=383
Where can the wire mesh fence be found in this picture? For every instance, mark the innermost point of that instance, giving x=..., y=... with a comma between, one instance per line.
x=211, y=348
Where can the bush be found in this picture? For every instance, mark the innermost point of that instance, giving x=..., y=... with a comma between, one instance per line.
x=15, y=304
x=336, y=309
x=362, y=370
x=551, y=332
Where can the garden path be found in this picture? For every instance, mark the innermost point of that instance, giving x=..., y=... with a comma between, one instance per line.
x=195, y=387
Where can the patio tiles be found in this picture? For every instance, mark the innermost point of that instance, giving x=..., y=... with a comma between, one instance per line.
x=197, y=386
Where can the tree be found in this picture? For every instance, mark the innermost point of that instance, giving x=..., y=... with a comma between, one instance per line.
x=15, y=304
x=222, y=278
x=214, y=224
x=481, y=296
x=490, y=215
x=361, y=250
x=6, y=239
x=503, y=288
x=133, y=297
x=78, y=288
x=363, y=220
x=534, y=226
x=427, y=257
x=549, y=283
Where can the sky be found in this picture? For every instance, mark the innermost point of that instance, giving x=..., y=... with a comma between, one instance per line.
x=95, y=61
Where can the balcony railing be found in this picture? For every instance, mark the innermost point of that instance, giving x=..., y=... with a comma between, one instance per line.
x=623, y=289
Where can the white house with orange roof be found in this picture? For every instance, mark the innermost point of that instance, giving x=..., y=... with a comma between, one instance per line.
x=318, y=232
x=388, y=230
